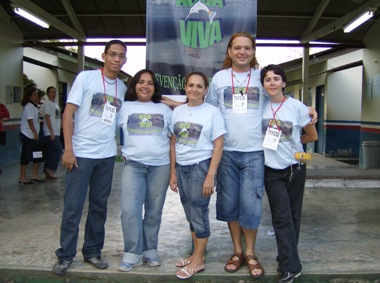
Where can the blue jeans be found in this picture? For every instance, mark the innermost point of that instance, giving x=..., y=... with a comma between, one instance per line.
x=53, y=153
x=240, y=188
x=143, y=188
x=95, y=174
x=190, y=185
x=285, y=198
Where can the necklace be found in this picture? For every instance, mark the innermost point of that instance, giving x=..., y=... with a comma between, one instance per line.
x=241, y=84
x=110, y=82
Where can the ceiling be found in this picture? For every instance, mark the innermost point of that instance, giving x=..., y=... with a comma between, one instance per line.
x=304, y=20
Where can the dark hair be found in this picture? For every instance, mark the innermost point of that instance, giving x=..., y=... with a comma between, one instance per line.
x=112, y=42
x=204, y=77
x=27, y=94
x=228, y=62
x=275, y=69
x=49, y=88
x=131, y=94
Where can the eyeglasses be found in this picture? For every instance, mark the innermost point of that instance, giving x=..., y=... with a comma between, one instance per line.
x=121, y=56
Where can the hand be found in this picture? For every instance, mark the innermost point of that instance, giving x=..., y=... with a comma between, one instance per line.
x=69, y=160
x=313, y=115
x=173, y=182
x=52, y=137
x=208, y=186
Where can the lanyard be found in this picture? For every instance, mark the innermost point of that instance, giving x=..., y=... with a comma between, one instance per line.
x=233, y=85
x=275, y=112
x=104, y=87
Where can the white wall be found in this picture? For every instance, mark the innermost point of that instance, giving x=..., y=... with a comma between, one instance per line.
x=344, y=94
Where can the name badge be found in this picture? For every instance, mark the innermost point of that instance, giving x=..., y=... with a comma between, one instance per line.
x=272, y=138
x=109, y=114
x=239, y=103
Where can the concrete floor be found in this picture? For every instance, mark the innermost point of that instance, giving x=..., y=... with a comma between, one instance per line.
x=339, y=239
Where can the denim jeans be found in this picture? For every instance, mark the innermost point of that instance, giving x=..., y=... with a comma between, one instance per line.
x=285, y=198
x=95, y=174
x=190, y=185
x=143, y=193
x=53, y=153
x=240, y=188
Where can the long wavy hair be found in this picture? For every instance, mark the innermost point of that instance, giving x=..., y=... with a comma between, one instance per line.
x=228, y=62
x=27, y=94
x=131, y=94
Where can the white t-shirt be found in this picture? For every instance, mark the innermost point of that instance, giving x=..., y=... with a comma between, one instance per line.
x=291, y=117
x=92, y=138
x=30, y=113
x=195, y=129
x=52, y=109
x=146, y=132
x=243, y=129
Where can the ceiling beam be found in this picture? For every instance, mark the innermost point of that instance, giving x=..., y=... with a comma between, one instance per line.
x=317, y=15
x=53, y=21
x=339, y=23
x=72, y=15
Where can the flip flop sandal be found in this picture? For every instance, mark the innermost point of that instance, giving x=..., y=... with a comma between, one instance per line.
x=237, y=263
x=189, y=272
x=183, y=262
x=252, y=266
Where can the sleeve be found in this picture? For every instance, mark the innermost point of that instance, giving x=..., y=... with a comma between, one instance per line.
x=77, y=90
x=303, y=115
x=218, y=127
x=29, y=110
x=122, y=117
x=212, y=94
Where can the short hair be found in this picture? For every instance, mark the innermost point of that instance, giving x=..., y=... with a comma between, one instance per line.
x=131, y=94
x=202, y=75
x=49, y=88
x=275, y=69
x=112, y=42
x=228, y=62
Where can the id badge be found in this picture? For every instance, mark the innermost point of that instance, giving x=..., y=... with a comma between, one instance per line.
x=272, y=138
x=239, y=103
x=109, y=114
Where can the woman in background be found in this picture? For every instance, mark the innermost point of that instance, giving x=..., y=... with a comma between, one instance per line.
x=52, y=131
x=29, y=129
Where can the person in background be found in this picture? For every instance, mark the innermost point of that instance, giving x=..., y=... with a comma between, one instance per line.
x=196, y=150
x=29, y=134
x=52, y=131
x=90, y=149
x=145, y=122
x=4, y=116
x=284, y=118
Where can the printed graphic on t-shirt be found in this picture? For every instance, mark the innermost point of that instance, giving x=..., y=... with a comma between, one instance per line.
x=97, y=104
x=253, y=96
x=143, y=124
x=187, y=133
x=285, y=126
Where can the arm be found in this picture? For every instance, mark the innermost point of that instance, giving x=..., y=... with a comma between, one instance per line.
x=310, y=134
x=208, y=186
x=170, y=102
x=69, y=159
x=173, y=177
x=48, y=123
x=31, y=126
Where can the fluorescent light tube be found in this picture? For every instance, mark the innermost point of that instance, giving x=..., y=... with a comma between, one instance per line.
x=30, y=17
x=358, y=21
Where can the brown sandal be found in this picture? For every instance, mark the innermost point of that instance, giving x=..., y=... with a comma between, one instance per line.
x=252, y=266
x=237, y=263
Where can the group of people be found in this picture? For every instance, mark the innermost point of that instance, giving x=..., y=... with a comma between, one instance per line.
x=30, y=135
x=214, y=139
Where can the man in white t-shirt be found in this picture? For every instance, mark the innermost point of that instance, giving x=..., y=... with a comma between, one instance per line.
x=89, y=156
